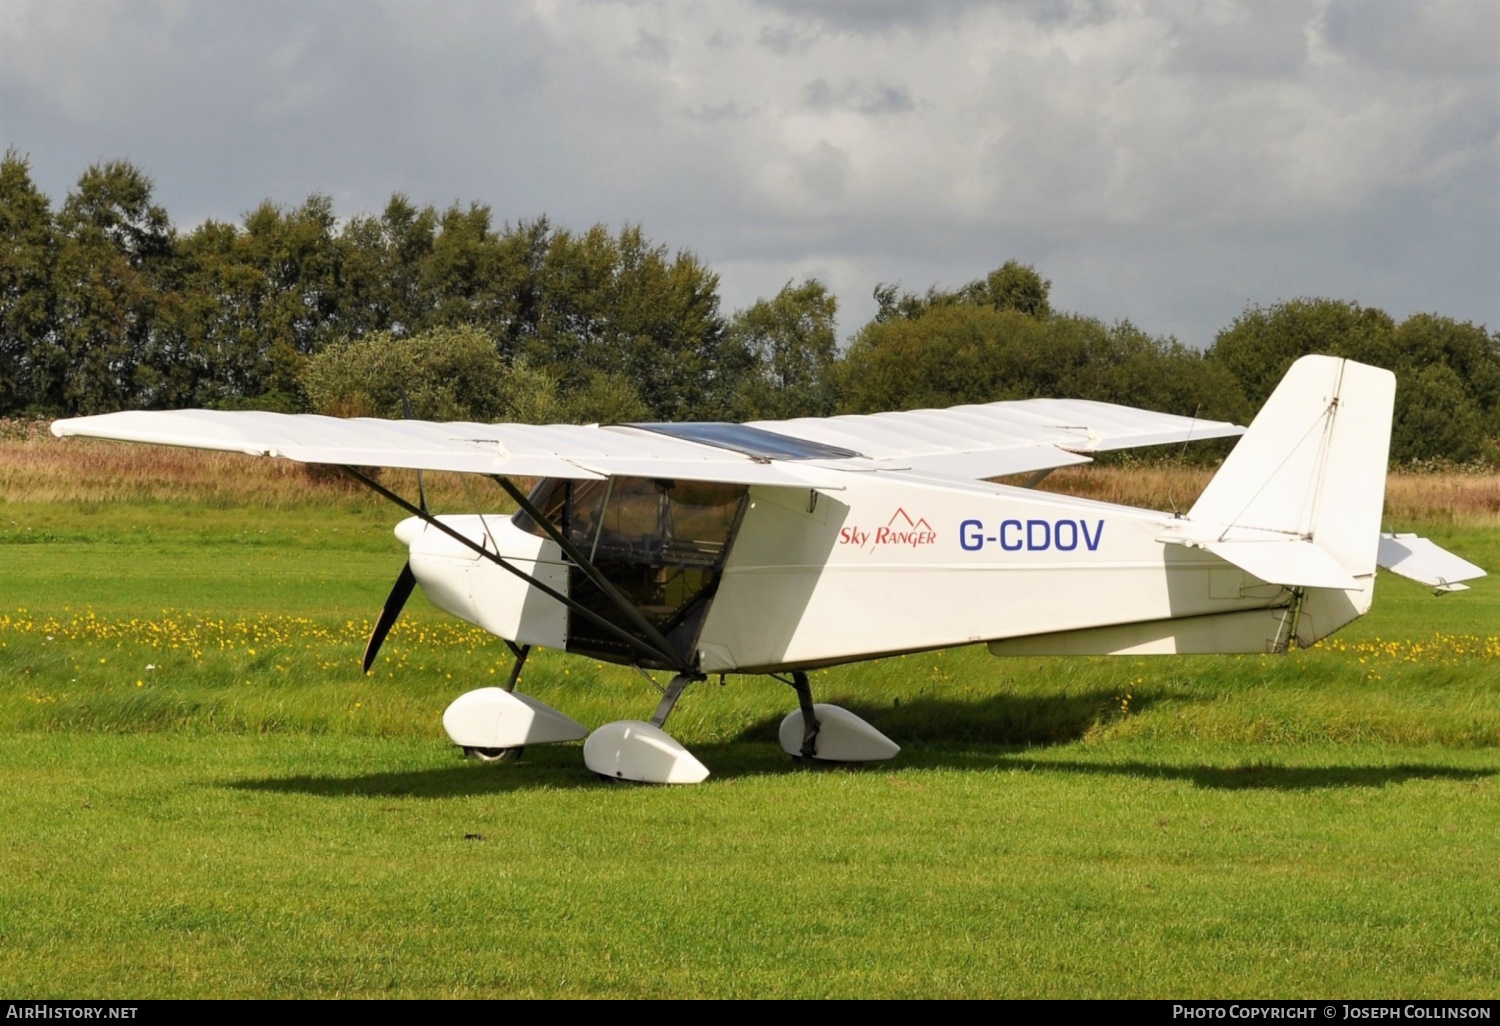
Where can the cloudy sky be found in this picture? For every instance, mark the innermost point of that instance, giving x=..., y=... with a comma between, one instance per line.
x=1168, y=162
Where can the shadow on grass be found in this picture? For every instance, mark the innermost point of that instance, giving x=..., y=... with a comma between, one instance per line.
x=997, y=720
x=1255, y=776
x=1016, y=721
x=560, y=767
x=563, y=770
x=1003, y=734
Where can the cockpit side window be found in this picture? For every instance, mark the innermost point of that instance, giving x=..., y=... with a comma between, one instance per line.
x=550, y=497
x=660, y=543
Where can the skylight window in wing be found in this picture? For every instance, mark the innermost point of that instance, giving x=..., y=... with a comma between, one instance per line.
x=757, y=443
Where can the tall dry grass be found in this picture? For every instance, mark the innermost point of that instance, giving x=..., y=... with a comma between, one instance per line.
x=1460, y=496
x=36, y=467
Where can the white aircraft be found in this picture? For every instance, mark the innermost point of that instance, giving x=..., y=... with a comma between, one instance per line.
x=778, y=547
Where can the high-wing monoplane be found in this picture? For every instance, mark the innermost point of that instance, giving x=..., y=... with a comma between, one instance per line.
x=782, y=546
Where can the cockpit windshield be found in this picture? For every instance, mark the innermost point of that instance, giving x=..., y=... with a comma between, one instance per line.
x=639, y=518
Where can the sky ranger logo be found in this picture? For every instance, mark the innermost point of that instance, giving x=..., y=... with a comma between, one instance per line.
x=900, y=530
x=1033, y=535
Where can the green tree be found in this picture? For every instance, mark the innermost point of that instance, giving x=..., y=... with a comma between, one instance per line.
x=1012, y=286
x=256, y=301
x=115, y=250
x=1447, y=371
x=215, y=346
x=446, y=373
x=1447, y=389
x=602, y=397
x=1435, y=417
x=383, y=261
x=959, y=353
x=456, y=374
x=28, y=254
x=788, y=348
x=297, y=252
x=625, y=306
x=475, y=276
x=1259, y=346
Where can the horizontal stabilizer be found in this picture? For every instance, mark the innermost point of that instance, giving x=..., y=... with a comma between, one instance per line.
x=1426, y=563
x=1294, y=564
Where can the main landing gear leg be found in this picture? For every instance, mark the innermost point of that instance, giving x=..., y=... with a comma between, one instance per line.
x=810, y=724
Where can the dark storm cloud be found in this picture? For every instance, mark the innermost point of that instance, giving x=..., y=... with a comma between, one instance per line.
x=1158, y=161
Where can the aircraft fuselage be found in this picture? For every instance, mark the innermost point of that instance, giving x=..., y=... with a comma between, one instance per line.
x=765, y=578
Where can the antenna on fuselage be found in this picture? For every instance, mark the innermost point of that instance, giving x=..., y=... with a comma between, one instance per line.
x=1182, y=460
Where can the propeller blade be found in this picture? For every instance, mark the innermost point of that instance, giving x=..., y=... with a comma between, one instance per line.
x=392, y=609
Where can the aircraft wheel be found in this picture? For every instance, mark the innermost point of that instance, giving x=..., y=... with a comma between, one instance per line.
x=494, y=754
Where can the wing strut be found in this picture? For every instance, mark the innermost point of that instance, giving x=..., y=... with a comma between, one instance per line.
x=585, y=564
x=669, y=657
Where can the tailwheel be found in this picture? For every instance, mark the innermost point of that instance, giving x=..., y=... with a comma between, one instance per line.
x=829, y=733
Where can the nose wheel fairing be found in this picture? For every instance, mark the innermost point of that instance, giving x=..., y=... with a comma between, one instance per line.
x=489, y=719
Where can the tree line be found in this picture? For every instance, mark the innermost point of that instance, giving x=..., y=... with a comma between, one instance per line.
x=105, y=304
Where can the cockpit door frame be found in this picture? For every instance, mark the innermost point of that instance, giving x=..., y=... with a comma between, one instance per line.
x=664, y=648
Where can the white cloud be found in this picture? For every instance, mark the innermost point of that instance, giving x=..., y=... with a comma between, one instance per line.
x=1158, y=160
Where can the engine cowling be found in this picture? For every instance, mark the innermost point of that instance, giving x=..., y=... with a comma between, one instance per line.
x=458, y=580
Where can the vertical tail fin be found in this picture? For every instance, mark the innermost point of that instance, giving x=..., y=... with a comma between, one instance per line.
x=1313, y=463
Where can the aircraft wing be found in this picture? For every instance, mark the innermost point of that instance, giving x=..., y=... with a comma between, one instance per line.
x=969, y=442
x=512, y=450
x=995, y=439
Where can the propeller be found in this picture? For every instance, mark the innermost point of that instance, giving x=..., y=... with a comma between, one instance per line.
x=405, y=581
x=394, y=602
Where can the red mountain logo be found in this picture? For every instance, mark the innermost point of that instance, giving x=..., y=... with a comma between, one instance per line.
x=902, y=515
x=900, y=530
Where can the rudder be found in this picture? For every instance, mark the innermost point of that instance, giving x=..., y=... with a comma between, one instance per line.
x=1313, y=463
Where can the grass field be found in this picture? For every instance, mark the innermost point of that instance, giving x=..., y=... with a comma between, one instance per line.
x=203, y=797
